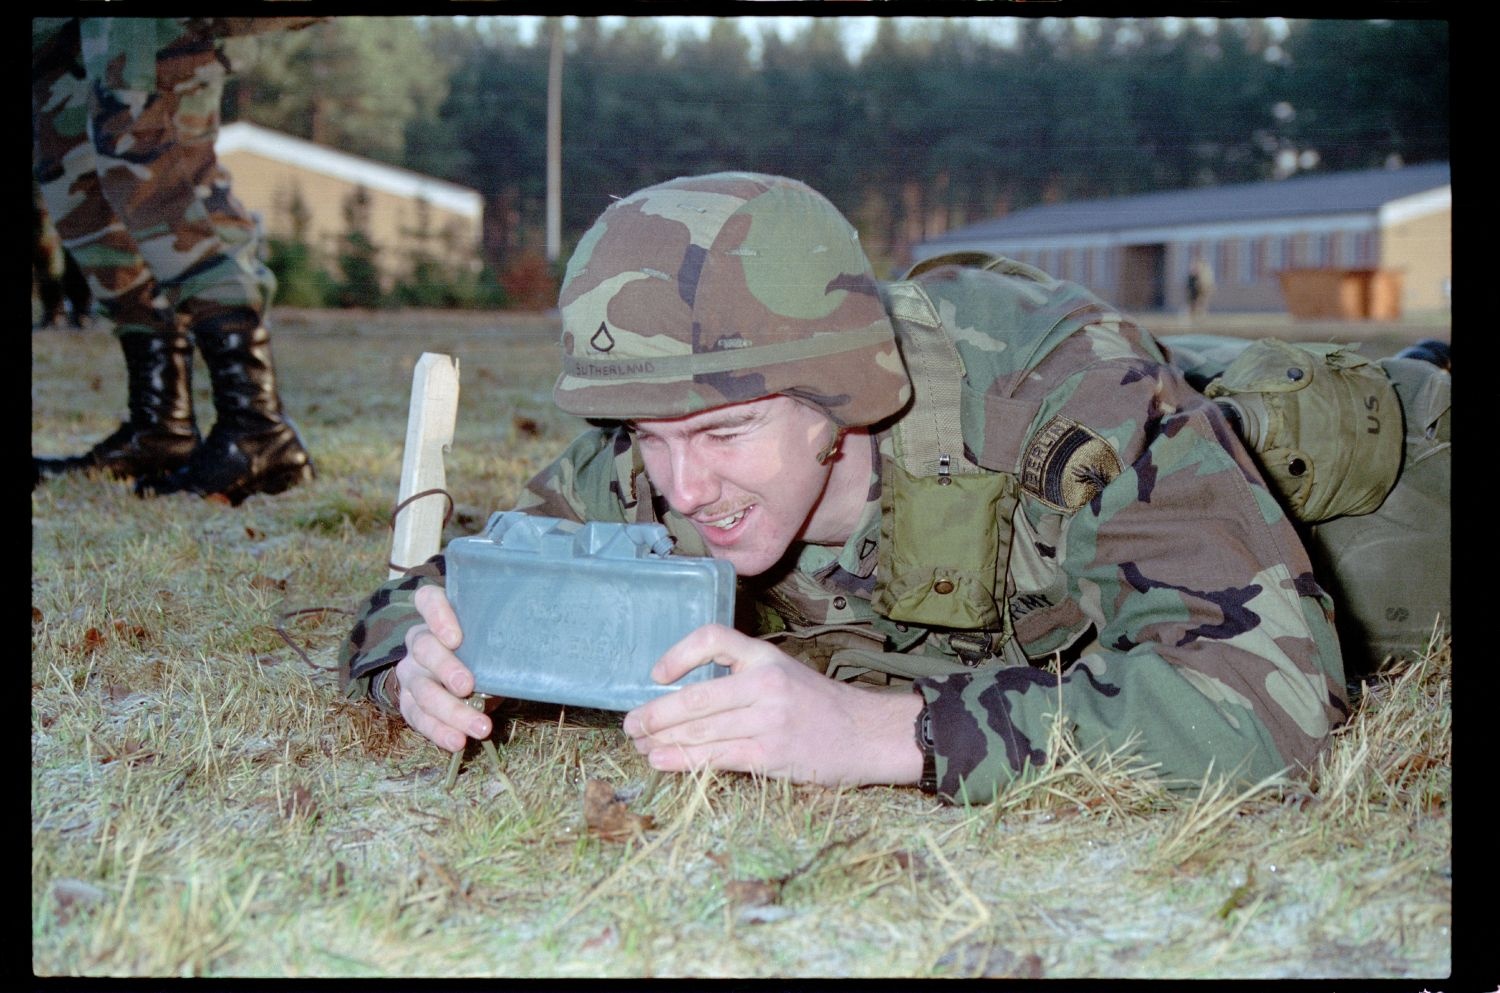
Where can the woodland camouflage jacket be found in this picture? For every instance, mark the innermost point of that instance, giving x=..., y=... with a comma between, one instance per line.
x=1148, y=560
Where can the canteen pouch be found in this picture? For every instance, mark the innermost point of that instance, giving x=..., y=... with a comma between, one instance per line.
x=1324, y=424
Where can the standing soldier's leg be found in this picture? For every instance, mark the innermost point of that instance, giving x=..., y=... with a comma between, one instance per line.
x=160, y=433
x=155, y=116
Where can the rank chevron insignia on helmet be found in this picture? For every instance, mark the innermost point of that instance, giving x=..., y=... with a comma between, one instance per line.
x=602, y=340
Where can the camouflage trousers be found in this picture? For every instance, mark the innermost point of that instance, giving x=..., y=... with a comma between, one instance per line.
x=125, y=112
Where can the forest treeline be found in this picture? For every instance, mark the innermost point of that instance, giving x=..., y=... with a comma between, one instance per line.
x=937, y=124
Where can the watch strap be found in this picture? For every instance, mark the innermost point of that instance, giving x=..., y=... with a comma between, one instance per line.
x=928, y=782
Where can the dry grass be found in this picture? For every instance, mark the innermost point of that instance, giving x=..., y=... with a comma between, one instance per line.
x=204, y=803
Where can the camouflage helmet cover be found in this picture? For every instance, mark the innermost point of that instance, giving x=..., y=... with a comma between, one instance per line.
x=710, y=290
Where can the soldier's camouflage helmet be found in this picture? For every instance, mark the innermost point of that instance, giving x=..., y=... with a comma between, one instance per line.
x=710, y=290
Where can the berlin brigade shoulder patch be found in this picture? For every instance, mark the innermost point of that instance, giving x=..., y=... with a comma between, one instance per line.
x=1066, y=464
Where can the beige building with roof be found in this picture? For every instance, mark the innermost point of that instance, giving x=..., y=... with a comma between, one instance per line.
x=1373, y=243
x=275, y=175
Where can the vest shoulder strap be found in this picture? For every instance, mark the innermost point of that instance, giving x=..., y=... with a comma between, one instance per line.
x=929, y=437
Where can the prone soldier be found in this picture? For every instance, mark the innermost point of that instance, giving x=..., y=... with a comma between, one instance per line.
x=59, y=289
x=962, y=506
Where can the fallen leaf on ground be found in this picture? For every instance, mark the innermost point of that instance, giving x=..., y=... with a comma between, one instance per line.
x=72, y=895
x=608, y=817
x=606, y=935
x=753, y=892
x=94, y=639
x=445, y=876
x=764, y=914
x=338, y=880
x=1420, y=762
x=132, y=632
x=299, y=802
x=912, y=862
x=132, y=750
x=746, y=892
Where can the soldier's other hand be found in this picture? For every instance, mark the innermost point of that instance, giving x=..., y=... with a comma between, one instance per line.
x=774, y=716
x=432, y=682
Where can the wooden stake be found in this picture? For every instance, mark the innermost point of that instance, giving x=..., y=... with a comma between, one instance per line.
x=429, y=433
x=419, y=524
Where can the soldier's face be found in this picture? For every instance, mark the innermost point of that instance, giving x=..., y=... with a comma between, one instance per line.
x=746, y=475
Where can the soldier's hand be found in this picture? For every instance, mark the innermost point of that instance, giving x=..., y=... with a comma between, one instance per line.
x=431, y=680
x=774, y=716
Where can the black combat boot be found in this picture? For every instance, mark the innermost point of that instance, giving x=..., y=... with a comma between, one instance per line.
x=252, y=448
x=160, y=434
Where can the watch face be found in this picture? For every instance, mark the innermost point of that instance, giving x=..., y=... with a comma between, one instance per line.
x=924, y=736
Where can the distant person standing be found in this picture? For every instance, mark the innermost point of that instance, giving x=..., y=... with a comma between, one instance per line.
x=125, y=112
x=60, y=291
x=1200, y=287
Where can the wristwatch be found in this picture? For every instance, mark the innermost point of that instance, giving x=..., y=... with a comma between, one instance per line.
x=385, y=690
x=928, y=782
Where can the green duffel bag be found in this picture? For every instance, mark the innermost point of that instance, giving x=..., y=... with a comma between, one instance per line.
x=1390, y=571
